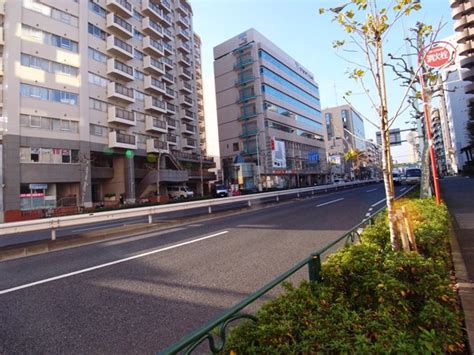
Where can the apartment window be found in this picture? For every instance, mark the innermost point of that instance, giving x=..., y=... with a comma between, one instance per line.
x=98, y=80
x=139, y=95
x=136, y=15
x=99, y=131
x=97, y=105
x=49, y=123
x=139, y=75
x=137, y=34
x=35, y=35
x=97, y=32
x=97, y=9
x=97, y=56
x=235, y=147
x=51, y=12
x=48, y=155
x=137, y=54
x=47, y=65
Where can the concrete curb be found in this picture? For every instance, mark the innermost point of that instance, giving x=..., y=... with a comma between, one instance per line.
x=465, y=290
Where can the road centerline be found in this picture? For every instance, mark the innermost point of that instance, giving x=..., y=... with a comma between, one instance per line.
x=378, y=203
x=329, y=202
x=101, y=266
x=372, y=190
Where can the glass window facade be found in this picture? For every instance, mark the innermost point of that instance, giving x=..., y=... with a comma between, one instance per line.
x=295, y=89
x=269, y=58
x=47, y=65
x=268, y=90
x=359, y=131
x=285, y=112
x=46, y=94
x=96, y=31
x=97, y=56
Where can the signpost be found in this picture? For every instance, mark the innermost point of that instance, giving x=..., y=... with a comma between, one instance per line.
x=437, y=55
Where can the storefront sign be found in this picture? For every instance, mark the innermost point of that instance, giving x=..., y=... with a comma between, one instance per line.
x=38, y=186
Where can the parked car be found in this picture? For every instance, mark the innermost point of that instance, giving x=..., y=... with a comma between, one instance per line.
x=220, y=191
x=412, y=176
x=180, y=192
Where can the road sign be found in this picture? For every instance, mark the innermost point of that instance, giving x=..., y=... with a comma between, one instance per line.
x=438, y=54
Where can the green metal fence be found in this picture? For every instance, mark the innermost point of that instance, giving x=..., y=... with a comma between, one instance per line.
x=216, y=341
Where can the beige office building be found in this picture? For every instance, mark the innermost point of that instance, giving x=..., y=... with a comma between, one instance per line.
x=270, y=128
x=95, y=96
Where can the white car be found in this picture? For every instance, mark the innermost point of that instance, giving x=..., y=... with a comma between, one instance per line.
x=412, y=176
x=180, y=192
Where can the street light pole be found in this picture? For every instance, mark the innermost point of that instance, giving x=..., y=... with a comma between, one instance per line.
x=158, y=178
x=258, y=159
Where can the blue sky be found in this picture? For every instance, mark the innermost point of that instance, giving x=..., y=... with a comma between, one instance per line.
x=296, y=27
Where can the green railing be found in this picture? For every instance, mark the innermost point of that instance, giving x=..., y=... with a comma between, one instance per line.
x=216, y=340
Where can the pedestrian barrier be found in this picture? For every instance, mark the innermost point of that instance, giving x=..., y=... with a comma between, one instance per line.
x=53, y=224
x=208, y=332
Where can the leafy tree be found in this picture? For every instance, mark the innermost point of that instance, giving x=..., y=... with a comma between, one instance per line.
x=358, y=159
x=368, y=25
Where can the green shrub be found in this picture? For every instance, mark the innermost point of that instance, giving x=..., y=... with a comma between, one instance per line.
x=372, y=300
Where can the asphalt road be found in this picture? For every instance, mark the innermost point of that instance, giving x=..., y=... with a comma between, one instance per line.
x=141, y=294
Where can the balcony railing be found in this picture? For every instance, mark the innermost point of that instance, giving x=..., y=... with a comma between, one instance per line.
x=122, y=140
x=151, y=27
x=168, y=77
x=170, y=92
x=243, y=61
x=168, y=62
x=189, y=142
x=242, y=80
x=118, y=91
x=119, y=115
x=153, y=84
x=119, y=25
x=246, y=97
x=170, y=107
x=153, y=65
x=149, y=8
x=154, y=145
x=123, y=7
x=119, y=69
x=168, y=48
x=152, y=46
x=119, y=47
x=172, y=138
x=189, y=128
x=154, y=104
x=156, y=124
x=172, y=123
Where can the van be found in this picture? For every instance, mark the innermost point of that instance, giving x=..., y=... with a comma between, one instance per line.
x=412, y=176
x=220, y=190
x=180, y=192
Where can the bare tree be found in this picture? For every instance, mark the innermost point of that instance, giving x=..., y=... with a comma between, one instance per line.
x=368, y=26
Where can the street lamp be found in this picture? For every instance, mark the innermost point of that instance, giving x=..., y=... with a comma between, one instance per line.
x=258, y=159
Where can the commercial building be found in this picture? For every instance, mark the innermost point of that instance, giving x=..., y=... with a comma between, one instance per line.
x=345, y=132
x=95, y=96
x=270, y=128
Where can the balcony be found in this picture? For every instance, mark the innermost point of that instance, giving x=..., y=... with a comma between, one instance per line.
x=119, y=115
x=168, y=34
x=186, y=101
x=244, y=98
x=154, y=145
x=170, y=108
x=469, y=89
x=119, y=70
x=154, y=85
x=188, y=129
x=150, y=64
x=120, y=92
x=184, y=47
x=189, y=143
x=167, y=20
x=242, y=62
x=151, y=9
x=152, y=28
x=152, y=47
x=244, y=79
x=168, y=62
x=184, y=35
x=172, y=139
x=119, y=26
x=167, y=48
x=122, y=7
x=185, y=87
x=185, y=73
x=183, y=21
x=172, y=123
x=182, y=8
x=189, y=116
x=155, y=124
x=154, y=104
x=170, y=93
x=169, y=78
x=121, y=140
x=119, y=48
x=248, y=132
x=185, y=60
x=166, y=5
x=248, y=115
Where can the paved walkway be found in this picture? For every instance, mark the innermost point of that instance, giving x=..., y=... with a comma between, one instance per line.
x=458, y=193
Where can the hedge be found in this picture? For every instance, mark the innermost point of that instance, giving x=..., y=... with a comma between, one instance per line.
x=371, y=300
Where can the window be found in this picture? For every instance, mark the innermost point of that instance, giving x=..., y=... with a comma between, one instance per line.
x=285, y=112
x=139, y=95
x=97, y=105
x=35, y=121
x=137, y=54
x=47, y=65
x=139, y=75
x=35, y=35
x=97, y=32
x=137, y=15
x=97, y=56
x=137, y=34
x=66, y=155
x=97, y=9
x=268, y=90
x=51, y=12
x=99, y=131
x=49, y=123
x=235, y=147
x=34, y=155
x=98, y=80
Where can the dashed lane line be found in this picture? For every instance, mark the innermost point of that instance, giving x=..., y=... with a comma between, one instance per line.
x=329, y=202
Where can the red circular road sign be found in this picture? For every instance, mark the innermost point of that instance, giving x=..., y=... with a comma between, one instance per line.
x=438, y=54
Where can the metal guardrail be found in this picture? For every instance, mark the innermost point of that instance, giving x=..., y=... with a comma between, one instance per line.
x=55, y=223
x=208, y=332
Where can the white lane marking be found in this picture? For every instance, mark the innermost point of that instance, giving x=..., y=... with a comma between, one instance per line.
x=377, y=203
x=372, y=190
x=367, y=214
x=98, y=227
x=8, y=290
x=329, y=202
x=403, y=189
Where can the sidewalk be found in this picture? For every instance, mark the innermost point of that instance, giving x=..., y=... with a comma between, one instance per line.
x=458, y=193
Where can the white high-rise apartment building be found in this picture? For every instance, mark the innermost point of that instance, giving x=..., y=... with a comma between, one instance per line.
x=93, y=93
x=271, y=131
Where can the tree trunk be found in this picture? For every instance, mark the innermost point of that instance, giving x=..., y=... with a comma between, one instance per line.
x=386, y=155
x=425, y=188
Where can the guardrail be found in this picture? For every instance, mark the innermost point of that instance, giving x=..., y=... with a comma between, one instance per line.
x=208, y=332
x=76, y=220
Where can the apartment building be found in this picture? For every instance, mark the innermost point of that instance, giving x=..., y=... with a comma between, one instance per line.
x=438, y=141
x=97, y=95
x=345, y=132
x=374, y=159
x=270, y=127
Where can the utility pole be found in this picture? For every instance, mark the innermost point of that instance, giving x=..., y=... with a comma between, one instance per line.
x=158, y=177
x=258, y=160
